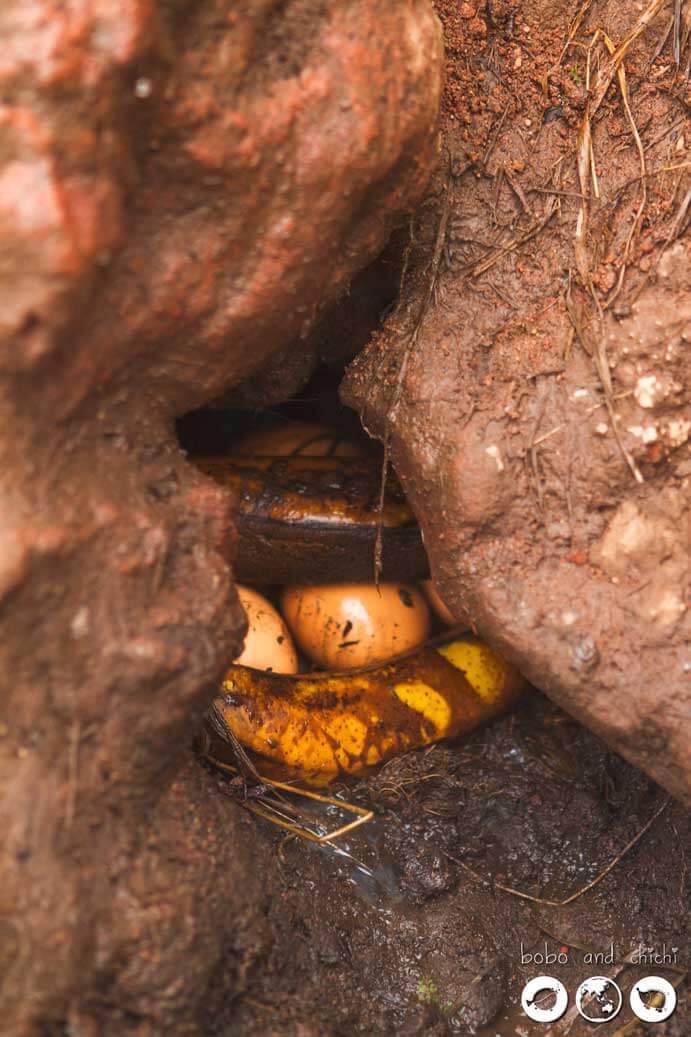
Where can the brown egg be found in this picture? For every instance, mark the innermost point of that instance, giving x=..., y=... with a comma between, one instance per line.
x=348, y=625
x=440, y=609
x=268, y=644
x=304, y=438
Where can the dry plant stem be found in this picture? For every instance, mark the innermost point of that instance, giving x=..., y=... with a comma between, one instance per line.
x=245, y=767
x=604, y=374
x=661, y=136
x=584, y=145
x=685, y=72
x=595, y=98
x=517, y=190
x=676, y=44
x=681, y=220
x=678, y=227
x=599, y=355
x=591, y=410
x=586, y=175
x=584, y=889
x=73, y=772
x=503, y=250
x=606, y=72
x=271, y=813
x=494, y=136
x=435, y=266
x=661, y=45
x=574, y=27
x=657, y=172
x=638, y=219
x=614, y=420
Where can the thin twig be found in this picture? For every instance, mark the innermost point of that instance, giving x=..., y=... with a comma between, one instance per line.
x=655, y=172
x=503, y=250
x=270, y=812
x=606, y=73
x=245, y=767
x=679, y=224
x=661, y=44
x=591, y=410
x=574, y=27
x=392, y=413
x=553, y=190
x=599, y=355
x=676, y=38
x=638, y=218
x=665, y=133
x=585, y=159
x=72, y=773
x=494, y=136
x=584, y=889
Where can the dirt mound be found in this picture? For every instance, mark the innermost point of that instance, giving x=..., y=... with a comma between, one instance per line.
x=183, y=187
x=185, y=190
x=534, y=378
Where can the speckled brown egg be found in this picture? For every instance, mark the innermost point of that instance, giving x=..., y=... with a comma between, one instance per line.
x=348, y=625
x=268, y=644
x=440, y=609
x=302, y=438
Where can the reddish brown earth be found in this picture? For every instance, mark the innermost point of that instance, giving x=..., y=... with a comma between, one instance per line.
x=567, y=540
x=185, y=189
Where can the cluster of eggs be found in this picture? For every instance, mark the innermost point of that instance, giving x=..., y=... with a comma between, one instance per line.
x=335, y=626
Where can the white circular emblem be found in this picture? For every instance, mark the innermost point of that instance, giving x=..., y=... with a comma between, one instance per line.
x=653, y=1009
x=544, y=989
x=598, y=999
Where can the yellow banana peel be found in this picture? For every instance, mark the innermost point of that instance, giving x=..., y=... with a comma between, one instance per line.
x=321, y=727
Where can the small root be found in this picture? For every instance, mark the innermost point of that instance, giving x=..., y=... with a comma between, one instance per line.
x=584, y=889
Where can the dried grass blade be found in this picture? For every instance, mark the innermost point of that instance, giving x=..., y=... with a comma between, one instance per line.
x=638, y=218
x=606, y=73
x=584, y=151
x=574, y=27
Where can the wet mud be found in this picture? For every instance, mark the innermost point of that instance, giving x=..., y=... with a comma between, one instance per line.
x=486, y=865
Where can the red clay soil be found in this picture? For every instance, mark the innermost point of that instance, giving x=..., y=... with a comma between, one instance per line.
x=534, y=380
x=182, y=188
x=185, y=188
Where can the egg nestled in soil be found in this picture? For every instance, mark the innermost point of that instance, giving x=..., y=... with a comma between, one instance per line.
x=268, y=644
x=350, y=625
x=297, y=438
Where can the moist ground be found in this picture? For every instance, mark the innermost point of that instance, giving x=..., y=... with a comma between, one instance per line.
x=409, y=933
x=503, y=307
x=137, y=896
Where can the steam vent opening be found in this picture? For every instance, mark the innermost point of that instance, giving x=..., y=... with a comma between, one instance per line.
x=345, y=671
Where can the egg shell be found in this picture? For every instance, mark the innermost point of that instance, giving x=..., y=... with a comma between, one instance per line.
x=441, y=610
x=348, y=625
x=305, y=438
x=268, y=644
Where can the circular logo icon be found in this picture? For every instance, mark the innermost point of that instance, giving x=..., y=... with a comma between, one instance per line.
x=598, y=999
x=653, y=999
x=544, y=999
